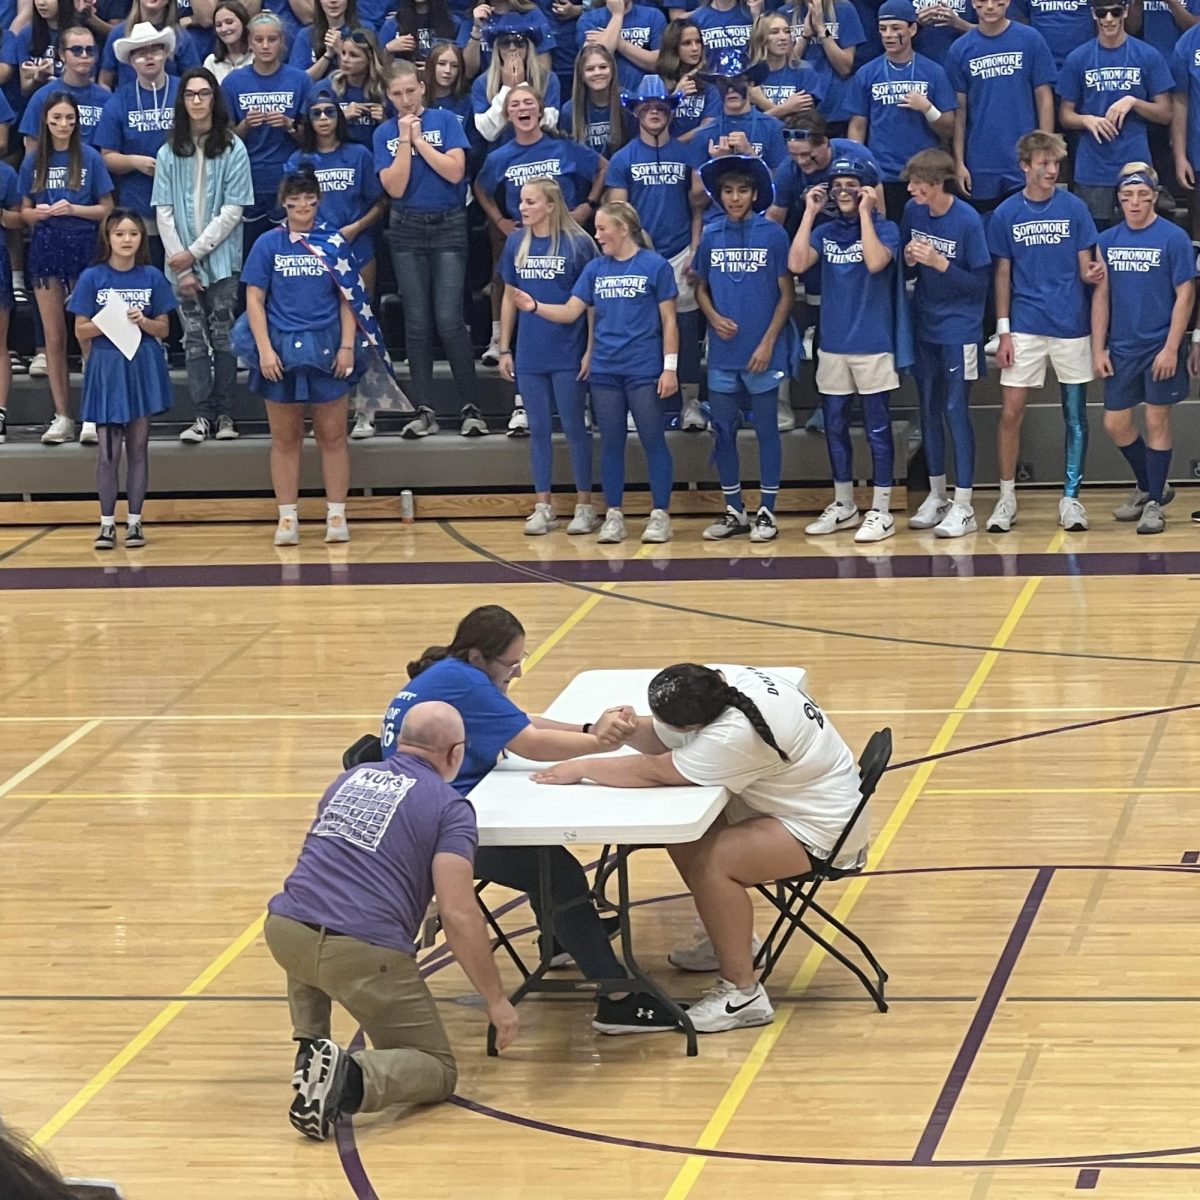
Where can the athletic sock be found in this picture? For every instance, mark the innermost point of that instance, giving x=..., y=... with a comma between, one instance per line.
x=1008, y=489
x=1137, y=456
x=882, y=500
x=843, y=493
x=937, y=486
x=133, y=519
x=963, y=496
x=767, y=498
x=733, y=499
x=1158, y=467
x=287, y=510
x=334, y=510
x=350, y=1101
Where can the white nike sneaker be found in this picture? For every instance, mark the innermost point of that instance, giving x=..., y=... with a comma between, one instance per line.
x=1004, y=515
x=726, y=1007
x=836, y=516
x=700, y=956
x=1072, y=516
x=930, y=514
x=876, y=527
x=958, y=522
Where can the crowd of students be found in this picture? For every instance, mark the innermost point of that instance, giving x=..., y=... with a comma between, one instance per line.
x=651, y=182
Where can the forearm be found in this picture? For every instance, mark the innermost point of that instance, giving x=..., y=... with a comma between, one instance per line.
x=670, y=332
x=560, y=314
x=395, y=178
x=1179, y=119
x=610, y=35
x=320, y=68
x=349, y=325
x=783, y=308
x=508, y=323
x=1069, y=118
x=643, y=59
x=876, y=255
x=1100, y=318
x=704, y=302
x=256, y=316
x=553, y=745
x=450, y=165
x=1003, y=288
x=217, y=230
x=960, y=132
x=1156, y=111
x=92, y=212
x=156, y=327
x=122, y=164
x=1181, y=316
x=86, y=329
x=1044, y=99
x=857, y=131
x=629, y=770
x=944, y=126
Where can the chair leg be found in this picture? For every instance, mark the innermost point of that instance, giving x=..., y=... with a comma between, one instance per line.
x=866, y=950
x=874, y=991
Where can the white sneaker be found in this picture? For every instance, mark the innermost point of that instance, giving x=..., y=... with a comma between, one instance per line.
x=726, y=1007
x=364, y=426
x=958, y=522
x=1072, y=516
x=785, y=417
x=931, y=512
x=491, y=356
x=422, y=425
x=541, y=520
x=336, y=529
x=37, y=366
x=585, y=520
x=658, y=527
x=518, y=423
x=836, y=516
x=764, y=528
x=630, y=423
x=287, y=532
x=613, y=529
x=700, y=956
x=1004, y=515
x=88, y=435
x=690, y=416
x=876, y=527
x=227, y=431
x=62, y=429
x=730, y=525
x=992, y=346
x=197, y=432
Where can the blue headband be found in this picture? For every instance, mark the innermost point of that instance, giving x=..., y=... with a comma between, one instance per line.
x=1136, y=177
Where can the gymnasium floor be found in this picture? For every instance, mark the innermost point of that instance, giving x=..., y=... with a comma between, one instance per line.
x=169, y=721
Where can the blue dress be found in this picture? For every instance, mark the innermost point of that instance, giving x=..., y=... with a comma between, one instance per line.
x=118, y=390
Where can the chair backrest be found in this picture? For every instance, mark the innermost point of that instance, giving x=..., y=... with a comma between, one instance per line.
x=368, y=749
x=871, y=766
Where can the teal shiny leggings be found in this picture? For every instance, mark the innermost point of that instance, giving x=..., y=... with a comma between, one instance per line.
x=1074, y=406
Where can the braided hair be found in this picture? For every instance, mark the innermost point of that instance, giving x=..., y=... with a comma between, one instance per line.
x=689, y=694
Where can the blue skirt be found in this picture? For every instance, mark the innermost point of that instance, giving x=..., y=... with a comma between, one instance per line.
x=117, y=390
x=307, y=357
x=60, y=252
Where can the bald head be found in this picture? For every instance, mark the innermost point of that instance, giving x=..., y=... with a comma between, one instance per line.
x=433, y=730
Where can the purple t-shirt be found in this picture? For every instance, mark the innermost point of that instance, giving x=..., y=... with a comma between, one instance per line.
x=366, y=867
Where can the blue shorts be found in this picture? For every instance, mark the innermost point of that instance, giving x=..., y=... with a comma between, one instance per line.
x=754, y=382
x=932, y=360
x=1131, y=383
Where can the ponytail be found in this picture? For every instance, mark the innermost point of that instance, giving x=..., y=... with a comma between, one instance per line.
x=432, y=655
x=749, y=710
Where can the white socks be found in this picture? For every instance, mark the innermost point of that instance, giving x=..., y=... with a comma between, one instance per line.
x=962, y=496
x=334, y=510
x=937, y=486
x=843, y=493
x=1008, y=489
x=883, y=499
x=287, y=510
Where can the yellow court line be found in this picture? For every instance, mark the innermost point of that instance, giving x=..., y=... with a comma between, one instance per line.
x=148, y=1033
x=1062, y=791
x=718, y=1123
x=14, y=781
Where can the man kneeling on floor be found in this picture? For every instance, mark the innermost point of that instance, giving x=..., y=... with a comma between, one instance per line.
x=388, y=838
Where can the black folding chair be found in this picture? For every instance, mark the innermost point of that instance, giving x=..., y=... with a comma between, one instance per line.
x=795, y=898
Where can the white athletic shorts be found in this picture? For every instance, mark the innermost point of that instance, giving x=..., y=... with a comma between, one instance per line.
x=845, y=374
x=1071, y=359
x=686, y=300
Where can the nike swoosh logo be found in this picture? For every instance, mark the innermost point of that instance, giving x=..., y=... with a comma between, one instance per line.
x=737, y=1008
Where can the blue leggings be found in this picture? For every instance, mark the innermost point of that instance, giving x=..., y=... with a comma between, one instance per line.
x=1074, y=406
x=945, y=400
x=611, y=400
x=539, y=389
x=878, y=422
x=726, y=411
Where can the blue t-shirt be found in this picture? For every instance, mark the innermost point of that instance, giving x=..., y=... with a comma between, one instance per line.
x=426, y=38
x=726, y=37
x=372, y=14
x=597, y=125
x=136, y=120
x=658, y=181
x=303, y=53
x=1064, y=24
x=741, y=262
x=780, y=86
x=948, y=306
x=1145, y=266
x=17, y=49
x=285, y=90
x=548, y=277
x=1158, y=24
x=934, y=41
x=95, y=183
x=1043, y=240
x=791, y=183
x=302, y=293
x=704, y=104
x=10, y=197
x=894, y=133
x=490, y=718
x=847, y=32
x=143, y=287
x=643, y=28
x=91, y=100
x=857, y=307
x=427, y=191
x=627, y=333
x=868, y=16
x=763, y=132
x=998, y=75
x=1094, y=78
x=186, y=56
x=366, y=866
x=349, y=183
x=1185, y=66
x=510, y=166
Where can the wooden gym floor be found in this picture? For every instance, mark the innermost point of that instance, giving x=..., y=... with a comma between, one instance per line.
x=169, y=719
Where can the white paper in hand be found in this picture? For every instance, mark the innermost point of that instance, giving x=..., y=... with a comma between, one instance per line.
x=113, y=320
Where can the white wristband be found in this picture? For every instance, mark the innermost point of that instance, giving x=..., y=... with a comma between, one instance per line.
x=670, y=362
x=1196, y=337
x=1003, y=326
x=932, y=114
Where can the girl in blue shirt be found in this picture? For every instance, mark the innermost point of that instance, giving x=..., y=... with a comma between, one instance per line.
x=473, y=674
x=631, y=33
x=631, y=360
x=446, y=84
x=515, y=61
x=828, y=34
x=419, y=25
x=29, y=54
x=10, y=218
x=545, y=258
x=594, y=115
x=315, y=51
x=360, y=85
x=725, y=26
x=792, y=85
x=121, y=395
x=65, y=192
x=681, y=65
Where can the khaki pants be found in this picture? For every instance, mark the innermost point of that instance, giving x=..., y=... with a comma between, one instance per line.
x=411, y=1061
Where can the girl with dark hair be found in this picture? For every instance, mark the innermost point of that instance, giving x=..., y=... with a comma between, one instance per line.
x=794, y=783
x=630, y=32
x=360, y=85
x=26, y=1175
x=121, y=395
x=446, y=83
x=416, y=26
x=30, y=52
x=201, y=187
x=594, y=114
x=318, y=48
x=65, y=192
x=473, y=674
x=680, y=61
x=231, y=49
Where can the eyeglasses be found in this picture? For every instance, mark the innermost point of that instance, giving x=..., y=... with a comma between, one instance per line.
x=512, y=667
x=1115, y=10
x=797, y=135
x=81, y=51
x=319, y=111
x=203, y=94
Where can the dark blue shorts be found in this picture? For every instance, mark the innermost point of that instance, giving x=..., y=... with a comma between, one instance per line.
x=1132, y=385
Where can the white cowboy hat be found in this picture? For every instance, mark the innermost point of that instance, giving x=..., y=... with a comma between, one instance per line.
x=144, y=34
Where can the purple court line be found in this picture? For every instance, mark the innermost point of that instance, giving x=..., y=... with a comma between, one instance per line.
x=1087, y=1179
x=977, y=1031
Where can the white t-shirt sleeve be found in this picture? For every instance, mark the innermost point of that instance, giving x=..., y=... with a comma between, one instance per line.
x=727, y=753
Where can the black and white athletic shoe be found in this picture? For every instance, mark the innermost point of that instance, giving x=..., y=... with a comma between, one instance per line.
x=638, y=1012
x=317, y=1104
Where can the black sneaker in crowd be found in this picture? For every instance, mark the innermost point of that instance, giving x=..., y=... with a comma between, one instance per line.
x=639, y=1012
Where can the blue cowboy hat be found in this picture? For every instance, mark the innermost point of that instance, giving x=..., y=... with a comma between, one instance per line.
x=713, y=171
x=651, y=89
x=510, y=26
x=750, y=76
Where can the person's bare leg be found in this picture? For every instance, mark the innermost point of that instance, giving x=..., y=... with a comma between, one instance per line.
x=50, y=301
x=1008, y=436
x=287, y=438
x=329, y=425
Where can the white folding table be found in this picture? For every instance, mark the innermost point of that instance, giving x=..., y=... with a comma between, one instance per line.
x=511, y=810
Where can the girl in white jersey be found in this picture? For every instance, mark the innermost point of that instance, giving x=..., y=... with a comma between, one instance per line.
x=794, y=783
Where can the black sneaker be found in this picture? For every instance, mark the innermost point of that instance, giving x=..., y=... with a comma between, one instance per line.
x=134, y=537
x=639, y=1012
x=732, y=524
x=1196, y=516
x=106, y=539
x=317, y=1104
x=3, y=425
x=304, y=1051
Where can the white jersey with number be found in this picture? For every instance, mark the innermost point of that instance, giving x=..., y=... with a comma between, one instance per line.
x=813, y=795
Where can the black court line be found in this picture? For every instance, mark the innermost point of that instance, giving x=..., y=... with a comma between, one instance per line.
x=763, y=622
x=13, y=551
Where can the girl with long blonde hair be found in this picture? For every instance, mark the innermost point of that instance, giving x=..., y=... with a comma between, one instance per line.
x=793, y=86
x=514, y=62
x=594, y=115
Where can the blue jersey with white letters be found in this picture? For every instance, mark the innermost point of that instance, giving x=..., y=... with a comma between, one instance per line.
x=136, y=120
x=726, y=37
x=691, y=111
x=94, y=184
x=142, y=286
x=857, y=306
x=847, y=32
x=934, y=41
x=349, y=184
x=1065, y=24
x=427, y=191
x=781, y=85
x=657, y=181
x=302, y=292
x=284, y=90
x=597, y=124
x=764, y=134
x=91, y=100
x=512, y=165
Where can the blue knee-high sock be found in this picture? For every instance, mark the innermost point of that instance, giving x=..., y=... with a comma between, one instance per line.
x=724, y=407
x=1135, y=456
x=958, y=417
x=933, y=432
x=1158, y=467
x=878, y=422
x=837, y=436
x=765, y=407
x=1074, y=406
